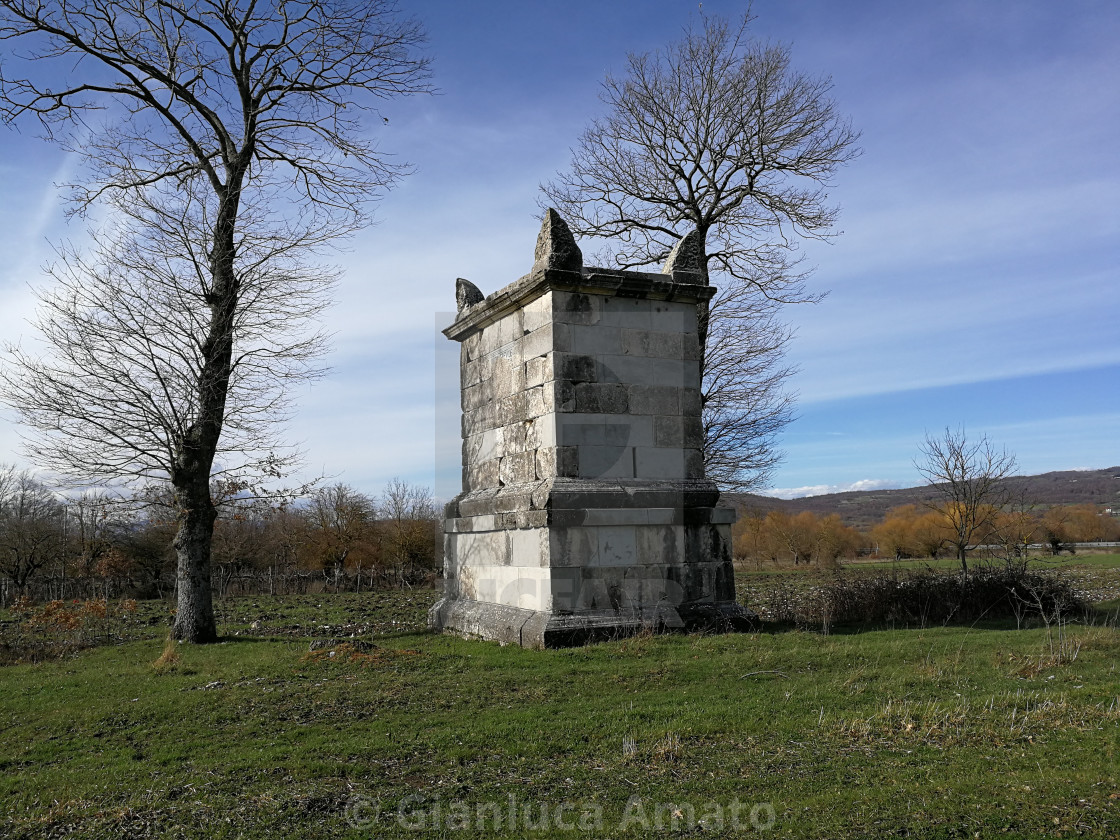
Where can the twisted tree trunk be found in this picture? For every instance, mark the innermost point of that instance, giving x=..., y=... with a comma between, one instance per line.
x=194, y=621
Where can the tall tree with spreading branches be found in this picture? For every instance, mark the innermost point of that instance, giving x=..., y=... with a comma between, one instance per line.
x=224, y=139
x=720, y=135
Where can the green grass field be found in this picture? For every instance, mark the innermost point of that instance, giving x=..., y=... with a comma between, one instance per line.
x=947, y=732
x=1084, y=560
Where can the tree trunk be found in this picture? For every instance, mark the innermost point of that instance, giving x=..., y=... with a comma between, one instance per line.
x=194, y=620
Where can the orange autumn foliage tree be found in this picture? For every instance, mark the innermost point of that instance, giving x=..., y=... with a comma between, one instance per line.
x=779, y=538
x=907, y=531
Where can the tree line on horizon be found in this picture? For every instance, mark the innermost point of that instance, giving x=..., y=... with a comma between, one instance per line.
x=97, y=545
x=778, y=538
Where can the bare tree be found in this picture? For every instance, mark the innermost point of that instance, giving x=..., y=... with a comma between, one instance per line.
x=968, y=476
x=340, y=518
x=32, y=527
x=717, y=134
x=99, y=525
x=410, y=513
x=1017, y=527
x=231, y=151
x=744, y=405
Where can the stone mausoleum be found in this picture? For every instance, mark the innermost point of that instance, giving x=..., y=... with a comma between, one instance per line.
x=585, y=512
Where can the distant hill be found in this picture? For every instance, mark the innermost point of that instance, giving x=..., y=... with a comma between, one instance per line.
x=862, y=509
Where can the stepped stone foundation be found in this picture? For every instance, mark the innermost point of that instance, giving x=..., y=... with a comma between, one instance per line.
x=585, y=512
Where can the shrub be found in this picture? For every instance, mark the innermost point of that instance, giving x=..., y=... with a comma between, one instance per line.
x=927, y=597
x=57, y=628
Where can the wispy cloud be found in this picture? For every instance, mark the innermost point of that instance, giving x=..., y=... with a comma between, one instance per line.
x=979, y=227
x=826, y=489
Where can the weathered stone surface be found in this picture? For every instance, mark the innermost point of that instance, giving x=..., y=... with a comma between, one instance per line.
x=538, y=371
x=467, y=294
x=584, y=512
x=662, y=345
x=691, y=404
x=573, y=367
x=483, y=474
x=660, y=544
x=690, y=346
x=472, y=345
x=542, y=341
x=537, y=313
x=556, y=247
x=509, y=376
x=518, y=468
x=601, y=398
x=559, y=396
x=578, y=308
x=662, y=400
x=686, y=260
x=668, y=430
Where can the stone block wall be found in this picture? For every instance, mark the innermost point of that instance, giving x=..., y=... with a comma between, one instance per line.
x=581, y=385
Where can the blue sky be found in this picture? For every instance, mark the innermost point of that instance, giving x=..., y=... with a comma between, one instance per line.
x=976, y=281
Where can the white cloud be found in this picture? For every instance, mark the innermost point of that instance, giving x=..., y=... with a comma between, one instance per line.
x=826, y=489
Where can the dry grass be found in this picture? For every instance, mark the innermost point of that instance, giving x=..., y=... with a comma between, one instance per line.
x=169, y=659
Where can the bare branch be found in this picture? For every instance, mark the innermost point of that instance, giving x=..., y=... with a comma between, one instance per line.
x=229, y=148
x=968, y=476
x=717, y=134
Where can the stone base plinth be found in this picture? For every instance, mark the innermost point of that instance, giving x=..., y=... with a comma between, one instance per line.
x=538, y=629
x=584, y=567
